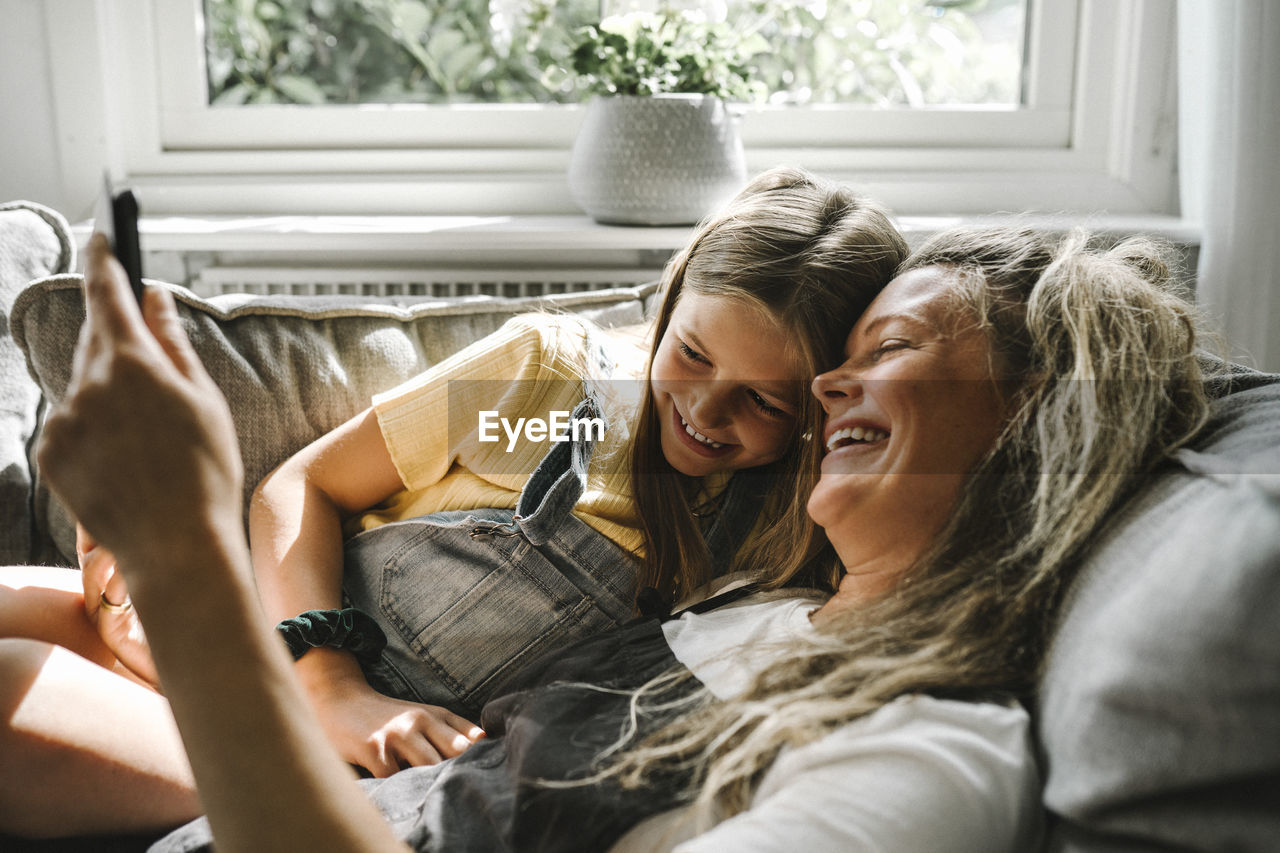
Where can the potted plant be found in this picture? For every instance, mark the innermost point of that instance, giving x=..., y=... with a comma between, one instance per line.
x=658, y=145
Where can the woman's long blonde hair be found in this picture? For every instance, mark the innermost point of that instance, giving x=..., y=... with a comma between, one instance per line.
x=1102, y=351
x=812, y=255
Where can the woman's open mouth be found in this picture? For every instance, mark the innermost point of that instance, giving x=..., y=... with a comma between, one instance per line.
x=849, y=436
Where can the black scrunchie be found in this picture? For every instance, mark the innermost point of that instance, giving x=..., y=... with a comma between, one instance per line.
x=350, y=629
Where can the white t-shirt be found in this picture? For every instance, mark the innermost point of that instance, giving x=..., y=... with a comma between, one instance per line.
x=919, y=774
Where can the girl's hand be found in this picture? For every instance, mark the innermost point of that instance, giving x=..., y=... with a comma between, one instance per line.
x=385, y=735
x=120, y=629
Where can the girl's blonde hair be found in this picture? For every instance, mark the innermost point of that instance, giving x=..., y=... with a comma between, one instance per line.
x=812, y=255
x=1101, y=350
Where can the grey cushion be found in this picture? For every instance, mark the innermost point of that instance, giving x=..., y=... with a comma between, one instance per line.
x=292, y=367
x=1160, y=705
x=34, y=242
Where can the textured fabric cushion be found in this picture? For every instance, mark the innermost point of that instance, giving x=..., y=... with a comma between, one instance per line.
x=292, y=367
x=1160, y=706
x=34, y=242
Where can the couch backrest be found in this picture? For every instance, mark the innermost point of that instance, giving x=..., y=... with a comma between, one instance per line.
x=1159, y=711
x=292, y=367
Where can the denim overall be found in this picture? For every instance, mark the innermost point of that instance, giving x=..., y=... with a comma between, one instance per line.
x=466, y=597
x=550, y=721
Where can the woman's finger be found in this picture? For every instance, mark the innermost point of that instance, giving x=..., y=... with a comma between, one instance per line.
x=85, y=542
x=96, y=566
x=106, y=593
x=109, y=302
x=115, y=591
x=161, y=315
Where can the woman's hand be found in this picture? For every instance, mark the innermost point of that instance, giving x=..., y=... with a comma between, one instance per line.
x=143, y=449
x=118, y=625
x=381, y=734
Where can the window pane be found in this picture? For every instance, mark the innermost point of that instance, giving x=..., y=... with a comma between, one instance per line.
x=885, y=53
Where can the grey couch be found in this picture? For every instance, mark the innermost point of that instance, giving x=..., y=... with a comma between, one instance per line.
x=1159, y=713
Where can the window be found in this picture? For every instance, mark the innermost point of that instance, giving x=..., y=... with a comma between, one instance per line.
x=884, y=53
x=453, y=79
x=1068, y=106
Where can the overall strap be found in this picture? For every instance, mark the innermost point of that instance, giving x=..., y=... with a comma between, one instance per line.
x=719, y=599
x=652, y=606
x=557, y=484
x=744, y=496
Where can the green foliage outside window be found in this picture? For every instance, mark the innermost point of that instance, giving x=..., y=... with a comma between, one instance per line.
x=882, y=52
x=683, y=53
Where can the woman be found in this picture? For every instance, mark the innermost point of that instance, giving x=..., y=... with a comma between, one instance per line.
x=993, y=401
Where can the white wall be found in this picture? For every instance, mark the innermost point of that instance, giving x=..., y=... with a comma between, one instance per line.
x=1230, y=103
x=30, y=167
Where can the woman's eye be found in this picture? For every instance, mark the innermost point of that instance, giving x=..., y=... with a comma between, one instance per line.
x=888, y=347
x=691, y=354
x=764, y=406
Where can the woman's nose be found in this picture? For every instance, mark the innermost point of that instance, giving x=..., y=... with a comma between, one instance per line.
x=839, y=384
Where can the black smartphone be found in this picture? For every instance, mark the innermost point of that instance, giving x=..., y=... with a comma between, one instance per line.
x=117, y=219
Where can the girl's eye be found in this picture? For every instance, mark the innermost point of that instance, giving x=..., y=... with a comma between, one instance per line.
x=763, y=405
x=692, y=355
x=887, y=347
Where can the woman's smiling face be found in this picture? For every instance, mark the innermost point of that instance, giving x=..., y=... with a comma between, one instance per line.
x=726, y=384
x=909, y=413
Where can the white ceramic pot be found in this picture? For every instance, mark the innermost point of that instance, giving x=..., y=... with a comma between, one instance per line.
x=655, y=160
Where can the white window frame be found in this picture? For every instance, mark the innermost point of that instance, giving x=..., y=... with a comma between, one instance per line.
x=1096, y=133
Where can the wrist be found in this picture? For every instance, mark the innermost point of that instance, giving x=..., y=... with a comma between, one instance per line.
x=330, y=674
x=186, y=582
x=199, y=550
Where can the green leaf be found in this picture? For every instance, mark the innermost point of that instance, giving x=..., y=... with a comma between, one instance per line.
x=412, y=16
x=300, y=90
x=233, y=97
x=444, y=42
x=463, y=62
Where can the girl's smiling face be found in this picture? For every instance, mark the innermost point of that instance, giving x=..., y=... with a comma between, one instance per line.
x=726, y=386
x=909, y=413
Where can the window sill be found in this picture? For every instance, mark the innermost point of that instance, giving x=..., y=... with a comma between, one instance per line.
x=193, y=250
x=373, y=234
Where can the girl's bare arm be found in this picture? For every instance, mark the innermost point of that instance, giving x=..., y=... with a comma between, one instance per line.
x=296, y=516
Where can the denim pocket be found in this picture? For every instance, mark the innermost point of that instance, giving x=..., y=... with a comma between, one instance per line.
x=466, y=599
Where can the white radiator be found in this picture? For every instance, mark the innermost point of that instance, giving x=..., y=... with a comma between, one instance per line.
x=410, y=283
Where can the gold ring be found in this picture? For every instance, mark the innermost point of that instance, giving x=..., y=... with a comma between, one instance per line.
x=123, y=607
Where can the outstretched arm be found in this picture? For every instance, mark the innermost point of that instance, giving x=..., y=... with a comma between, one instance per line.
x=140, y=402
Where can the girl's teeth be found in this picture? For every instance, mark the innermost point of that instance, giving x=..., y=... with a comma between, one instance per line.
x=850, y=435
x=699, y=436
